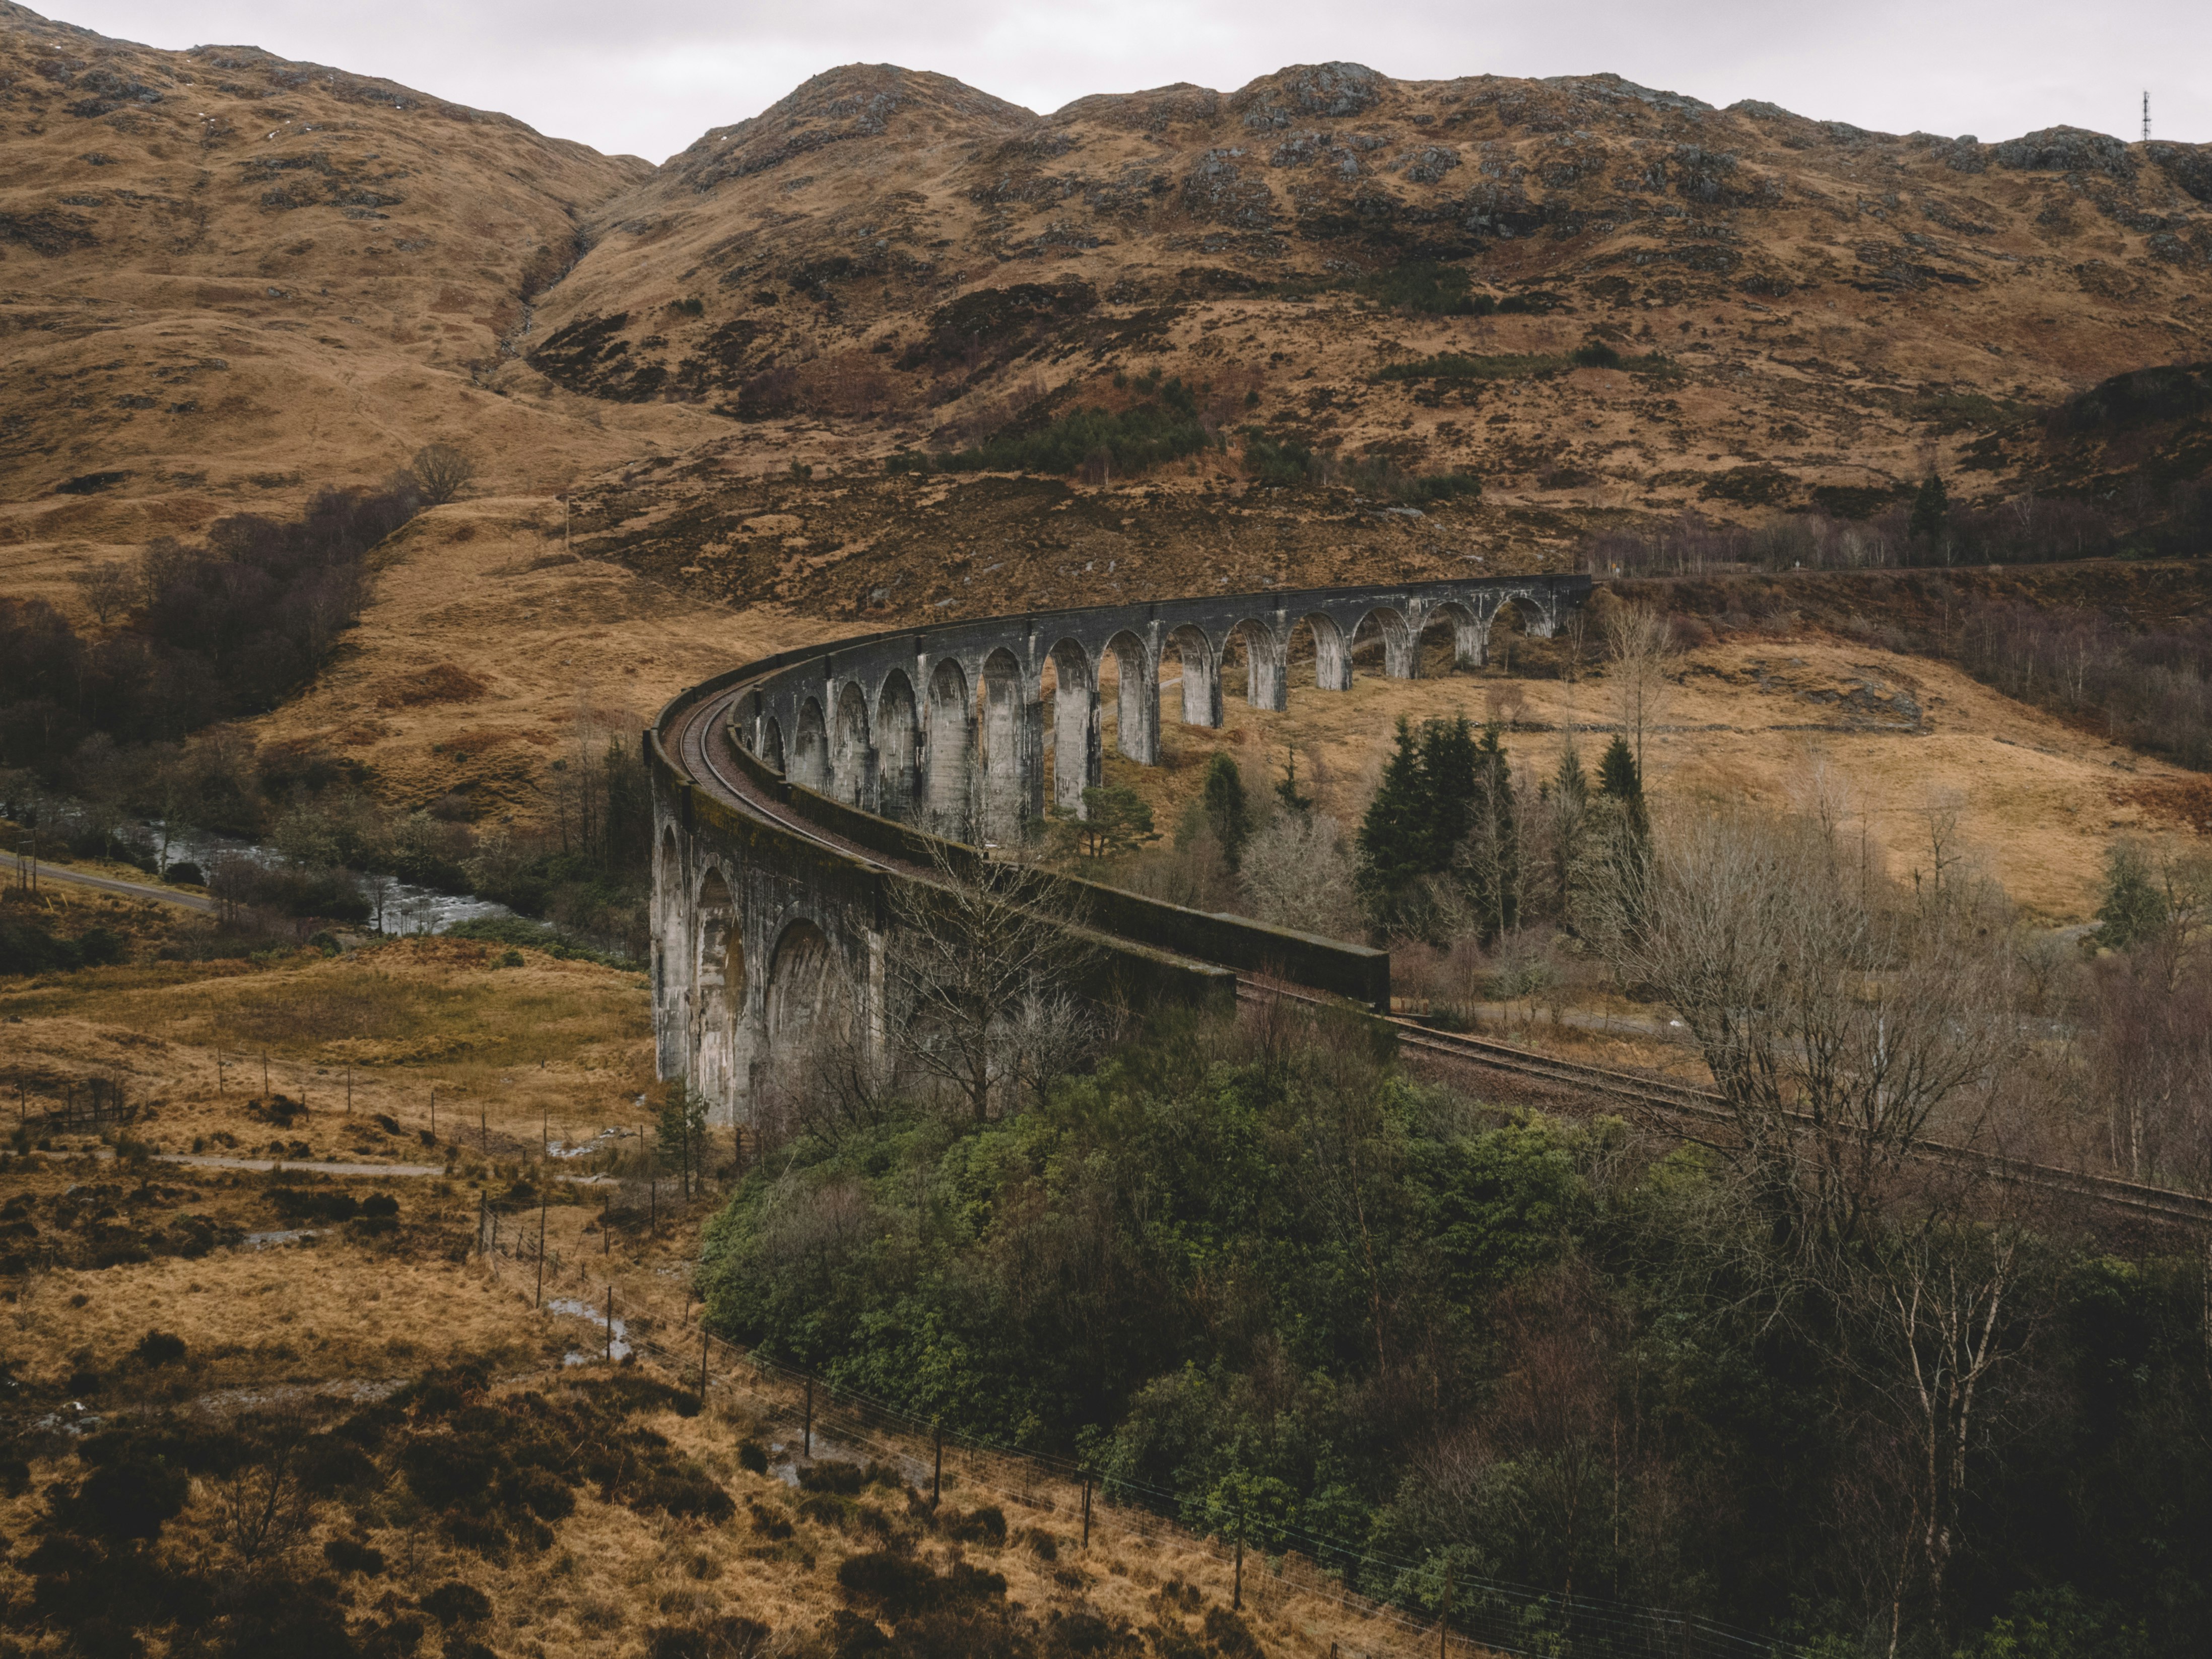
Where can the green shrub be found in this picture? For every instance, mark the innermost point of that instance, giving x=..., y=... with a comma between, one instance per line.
x=1595, y=354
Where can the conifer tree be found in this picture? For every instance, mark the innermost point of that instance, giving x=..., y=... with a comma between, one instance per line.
x=1570, y=812
x=1489, y=861
x=1395, y=836
x=1931, y=509
x=1622, y=785
x=1449, y=766
x=1227, y=813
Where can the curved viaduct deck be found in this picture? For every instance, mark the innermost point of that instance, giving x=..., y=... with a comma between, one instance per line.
x=791, y=795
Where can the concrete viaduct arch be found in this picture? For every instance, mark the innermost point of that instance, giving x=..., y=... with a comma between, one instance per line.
x=789, y=792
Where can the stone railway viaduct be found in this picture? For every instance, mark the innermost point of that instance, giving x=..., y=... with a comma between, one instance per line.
x=792, y=795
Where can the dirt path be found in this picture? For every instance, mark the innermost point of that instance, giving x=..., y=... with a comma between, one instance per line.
x=110, y=885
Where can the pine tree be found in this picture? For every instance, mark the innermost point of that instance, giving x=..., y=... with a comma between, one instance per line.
x=1931, y=509
x=1449, y=767
x=1489, y=860
x=1226, y=812
x=1572, y=782
x=1570, y=812
x=1622, y=785
x=1115, y=820
x=2134, y=909
x=1393, y=836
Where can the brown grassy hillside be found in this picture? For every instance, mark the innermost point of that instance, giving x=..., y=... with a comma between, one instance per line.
x=1808, y=314
x=227, y=278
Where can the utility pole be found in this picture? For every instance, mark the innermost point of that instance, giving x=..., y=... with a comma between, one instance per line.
x=2146, y=137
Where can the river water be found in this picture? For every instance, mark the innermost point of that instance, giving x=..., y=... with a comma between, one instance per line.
x=407, y=909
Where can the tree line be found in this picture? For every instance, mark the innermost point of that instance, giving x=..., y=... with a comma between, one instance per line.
x=1788, y=1377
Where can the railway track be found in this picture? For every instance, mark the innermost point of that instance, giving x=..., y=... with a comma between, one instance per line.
x=1683, y=1110
x=1674, y=1107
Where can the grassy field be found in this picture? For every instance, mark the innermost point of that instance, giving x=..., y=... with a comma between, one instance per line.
x=1891, y=737
x=301, y=1299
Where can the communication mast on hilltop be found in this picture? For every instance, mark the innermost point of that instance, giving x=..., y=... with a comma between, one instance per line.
x=2146, y=137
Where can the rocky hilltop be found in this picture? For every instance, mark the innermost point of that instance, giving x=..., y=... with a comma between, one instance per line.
x=229, y=277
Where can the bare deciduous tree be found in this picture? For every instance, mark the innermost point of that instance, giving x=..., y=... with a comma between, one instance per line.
x=982, y=964
x=1297, y=874
x=1939, y=1310
x=441, y=472
x=1837, y=1019
x=108, y=588
x=1639, y=646
x=262, y=1503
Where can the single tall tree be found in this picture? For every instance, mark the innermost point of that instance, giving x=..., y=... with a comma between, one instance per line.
x=1448, y=769
x=1931, y=509
x=1620, y=780
x=1395, y=836
x=1227, y=812
x=1490, y=856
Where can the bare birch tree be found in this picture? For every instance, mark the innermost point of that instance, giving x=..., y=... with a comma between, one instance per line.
x=1941, y=1309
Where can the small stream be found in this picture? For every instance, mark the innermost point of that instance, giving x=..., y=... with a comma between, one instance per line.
x=407, y=909
x=616, y=1349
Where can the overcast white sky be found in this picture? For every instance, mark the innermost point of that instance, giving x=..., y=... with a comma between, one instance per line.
x=647, y=76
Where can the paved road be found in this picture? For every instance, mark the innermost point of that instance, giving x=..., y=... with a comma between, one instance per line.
x=110, y=885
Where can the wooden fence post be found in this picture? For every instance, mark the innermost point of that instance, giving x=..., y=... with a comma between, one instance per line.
x=1237, y=1587
x=937, y=1477
x=810, y=1417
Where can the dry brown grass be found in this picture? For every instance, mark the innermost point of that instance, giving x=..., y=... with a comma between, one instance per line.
x=550, y=1050
x=483, y=645
x=321, y=1328
x=1762, y=721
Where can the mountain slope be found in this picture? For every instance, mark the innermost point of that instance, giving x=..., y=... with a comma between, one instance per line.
x=1774, y=312
x=228, y=278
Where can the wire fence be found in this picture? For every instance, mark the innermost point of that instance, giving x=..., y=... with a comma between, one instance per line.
x=1301, y=1573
